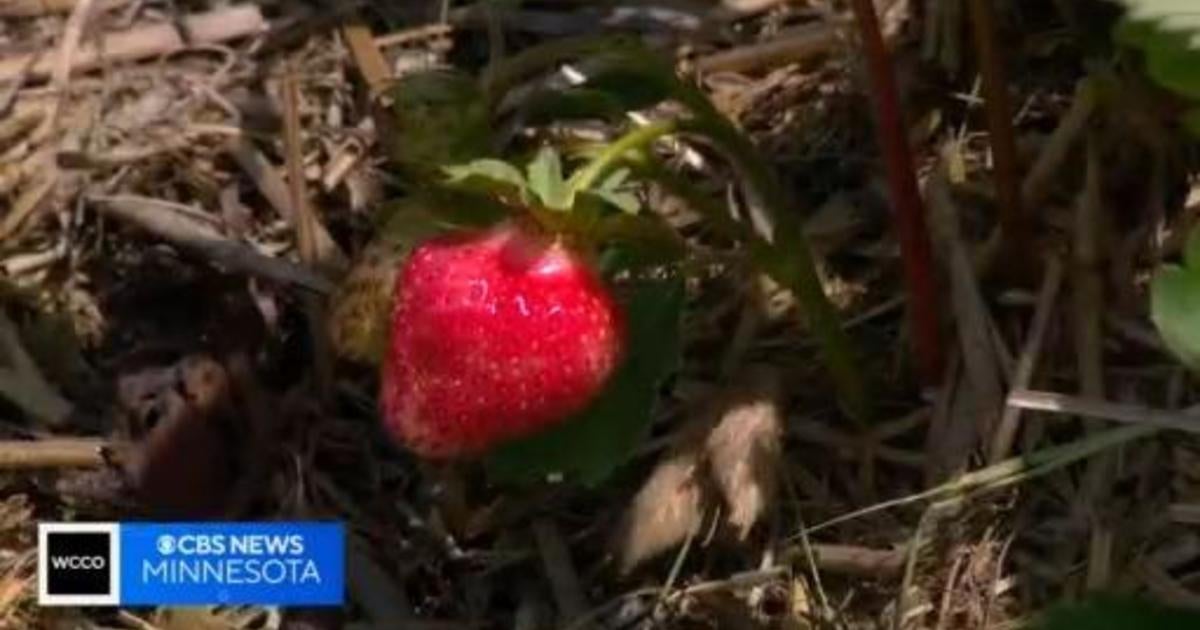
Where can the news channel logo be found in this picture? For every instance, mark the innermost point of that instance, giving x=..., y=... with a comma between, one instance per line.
x=77, y=564
x=183, y=564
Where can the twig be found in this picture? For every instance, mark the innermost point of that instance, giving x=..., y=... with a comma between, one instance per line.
x=36, y=8
x=560, y=570
x=1006, y=431
x=1162, y=586
x=793, y=46
x=147, y=41
x=908, y=211
x=53, y=453
x=858, y=561
x=983, y=394
x=415, y=34
x=853, y=447
x=305, y=220
x=275, y=190
x=20, y=264
x=348, y=155
x=1010, y=471
x=948, y=592
x=134, y=621
x=27, y=205
x=365, y=52
x=1187, y=420
x=9, y=96
x=1044, y=171
x=61, y=72
x=22, y=382
x=738, y=581
x=119, y=156
x=1089, y=351
x=1014, y=220
x=303, y=216
x=370, y=587
x=931, y=515
x=147, y=214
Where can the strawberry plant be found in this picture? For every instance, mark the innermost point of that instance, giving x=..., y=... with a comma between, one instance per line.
x=575, y=399
x=1105, y=611
x=1167, y=32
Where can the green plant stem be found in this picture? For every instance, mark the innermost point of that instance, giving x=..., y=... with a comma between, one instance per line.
x=501, y=76
x=614, y=154
x=789, y=260
x=652, y=168
x=774, y=262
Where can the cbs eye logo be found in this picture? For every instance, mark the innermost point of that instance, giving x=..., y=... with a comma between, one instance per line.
x=78, y=564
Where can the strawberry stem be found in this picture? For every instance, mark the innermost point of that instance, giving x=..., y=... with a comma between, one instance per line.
x=501, y=76
x=613, y=154
x=788, y=259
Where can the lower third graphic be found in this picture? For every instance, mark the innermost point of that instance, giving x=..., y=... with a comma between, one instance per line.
x=191, y=564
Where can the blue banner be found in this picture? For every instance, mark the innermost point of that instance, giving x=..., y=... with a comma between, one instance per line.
x=267, y=563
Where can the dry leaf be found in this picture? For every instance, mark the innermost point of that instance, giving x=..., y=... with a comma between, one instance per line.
x=743, y=449
x=670, y=506
x=188, y=618
x=183, y=466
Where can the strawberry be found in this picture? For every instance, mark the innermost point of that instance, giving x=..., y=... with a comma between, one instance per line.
x=495, y=335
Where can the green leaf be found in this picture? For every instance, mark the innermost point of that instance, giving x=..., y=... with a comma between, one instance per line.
x=1168, y=33
x=615, y=180
x=589, y=447
x=1191, y=250
x=410, y=220
x=1171, y=61
x=1171, y=15
x=623, y=79
x=1115, y=612
x=437, y=117
x=488, y=175
x=626, y=200
x=638, y=242
x=435, y=208
x=546, y=180
x=1175, y=310
x=1191, y=121
x=635, y=78
x=580, y=103
x=616, y=192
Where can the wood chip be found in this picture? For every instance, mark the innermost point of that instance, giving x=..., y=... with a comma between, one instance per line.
x=145, y=42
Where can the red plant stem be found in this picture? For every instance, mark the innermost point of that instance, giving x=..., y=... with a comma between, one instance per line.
x=1014, y=220
x=909, y=213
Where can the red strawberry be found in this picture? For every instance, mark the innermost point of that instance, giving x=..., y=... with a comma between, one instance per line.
x=494, y=336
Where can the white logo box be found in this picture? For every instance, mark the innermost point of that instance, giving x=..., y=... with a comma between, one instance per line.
x=114, y=564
